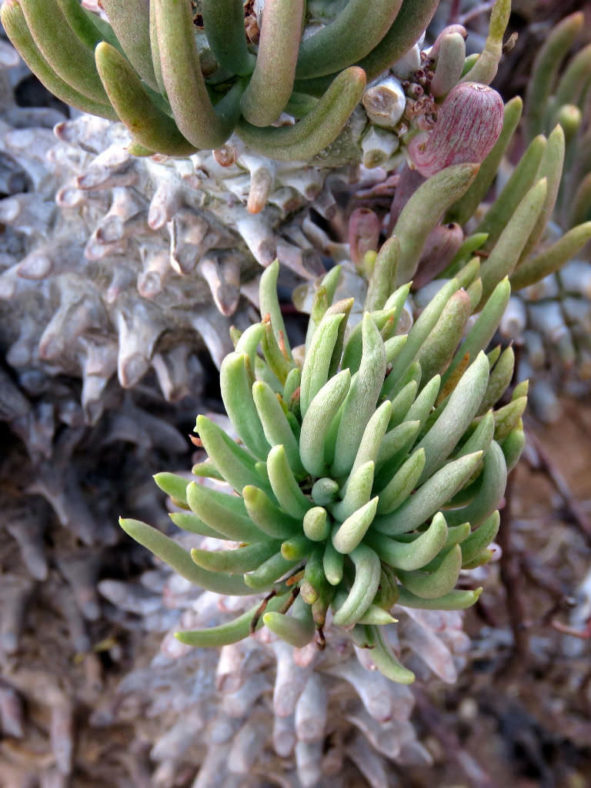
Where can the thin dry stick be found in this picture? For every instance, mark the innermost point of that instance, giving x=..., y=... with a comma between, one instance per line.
x=573, y=507
x=511, y=579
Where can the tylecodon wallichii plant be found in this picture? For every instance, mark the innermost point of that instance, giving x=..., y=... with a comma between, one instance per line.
x=450, y=125
x=445, y=138
x=367, y=475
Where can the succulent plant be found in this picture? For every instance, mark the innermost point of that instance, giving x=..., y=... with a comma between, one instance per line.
x=369, y=475
x=147, y=67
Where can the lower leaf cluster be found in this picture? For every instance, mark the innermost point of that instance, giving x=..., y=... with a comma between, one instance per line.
x=359, y=482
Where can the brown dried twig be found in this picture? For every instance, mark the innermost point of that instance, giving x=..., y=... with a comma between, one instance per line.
x=573, y=508
x=511, y=579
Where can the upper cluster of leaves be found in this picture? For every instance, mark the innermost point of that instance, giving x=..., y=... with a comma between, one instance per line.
x=145, y=67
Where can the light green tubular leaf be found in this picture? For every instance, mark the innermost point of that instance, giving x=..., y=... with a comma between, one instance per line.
x=423, y=211
x=551, y=167
x=500, y=377
x=439, y=347
x=315, y=371
x=351, y=532
x=393, y=347
x=238, y=561
x=207, y=470
x=82, y=22
x=131, y=24
x=411, y=555
x=395, y=445
x=402, y=483
x=492, y=485
x=235, y=384
x=342, y=307
x=461, y=408
x=430, y=497
x=15, y=25
x=231, y=631
x=269, y=304
x=373, y=434
x=383, y=276
x=70, y=58
x=317, y=422
x=376, y=616
x=296, y=548
x=317, y=130
x=333, y=564
x=354, y=345
x=450, y=64
x=483, y=330
x=512, y=447
x=173, y=554
x=276, y=362
x=485, y=68
x=364, y=588
x=512, y=241
x=190, y=522
x=546, y=67
x=224, y=26
x=173, y=485
x=385, y=660
x=316, y=524
x=284, y=484
x=325, y=491
x=412, y=20
x=269, y=572
x=454, y=600
x=235, y=464
x=508, y=417
x=481, y=437
x=480, y=538
x=552, y=258
x=322, y=300
x=400, y=406
x=271, y=83
x=423, y=326
x=268, y=517
x=465, y=267
x=439, y=582
x=522, y=179
x=297, y=628
x=357, y=491
x=225, y=513
x=361, y=399
x=347, y=38
x=181, y=73
x=423, y=405
x=292, y=385
x=146, y=122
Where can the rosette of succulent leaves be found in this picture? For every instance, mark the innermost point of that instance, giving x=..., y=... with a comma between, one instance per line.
x=369, y=467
